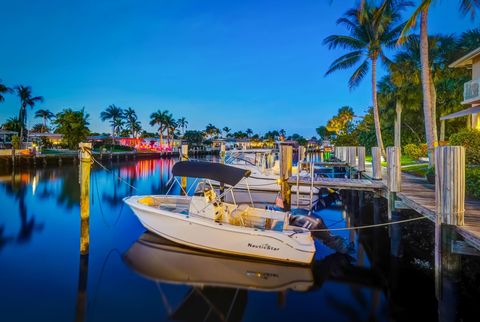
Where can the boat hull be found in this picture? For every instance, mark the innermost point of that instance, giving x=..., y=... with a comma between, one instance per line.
x=206, y=234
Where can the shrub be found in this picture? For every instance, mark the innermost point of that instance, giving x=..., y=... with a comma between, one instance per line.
x=472, y=182
x=414, y=151
x=470, y=139
x=15, y=142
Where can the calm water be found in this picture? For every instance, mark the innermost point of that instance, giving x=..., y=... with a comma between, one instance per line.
x=128, y=276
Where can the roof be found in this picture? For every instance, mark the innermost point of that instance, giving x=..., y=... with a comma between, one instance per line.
x=7, y=132
x=49, y=135
x=466, y=60
x=465, y=112
x=210, y=170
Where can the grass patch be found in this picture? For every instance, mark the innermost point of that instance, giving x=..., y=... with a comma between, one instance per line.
x=404, y=160
x=419, y=170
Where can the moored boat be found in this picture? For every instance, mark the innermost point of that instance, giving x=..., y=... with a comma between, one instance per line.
x=206, y=222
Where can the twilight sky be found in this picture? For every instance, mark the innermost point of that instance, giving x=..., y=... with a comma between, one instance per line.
x=250, y=63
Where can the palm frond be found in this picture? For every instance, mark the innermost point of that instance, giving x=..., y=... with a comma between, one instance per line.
x=345, y=42
x=359, y=74
x=345, y=61
x=469, y=7
x=412, y=21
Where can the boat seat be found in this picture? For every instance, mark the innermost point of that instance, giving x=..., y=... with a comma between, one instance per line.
x=238, y=214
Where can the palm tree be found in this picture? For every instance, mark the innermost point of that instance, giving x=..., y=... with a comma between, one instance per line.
x=249, y=132
x=170, y=125
x=4, y=90
x=114, y=114
x=211, y=130
x=227, y=130
x=45, y=115
x=182, y=123
x=371, y=29
x=12, y=124
x=133, y=125
x=26, y=99
x=160, y=118
x=428, y=88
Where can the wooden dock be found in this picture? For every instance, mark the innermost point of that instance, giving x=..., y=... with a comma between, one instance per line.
x=420, y=196
x=416, y=193
x=339, y=183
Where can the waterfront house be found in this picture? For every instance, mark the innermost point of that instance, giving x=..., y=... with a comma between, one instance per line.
x=6, y=138
x=37, y=138
x=471, y=92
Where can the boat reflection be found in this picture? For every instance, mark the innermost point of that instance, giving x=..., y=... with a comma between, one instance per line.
x=160, y=260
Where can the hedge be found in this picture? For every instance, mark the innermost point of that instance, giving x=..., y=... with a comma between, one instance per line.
x=470, y=139
x=472, y=182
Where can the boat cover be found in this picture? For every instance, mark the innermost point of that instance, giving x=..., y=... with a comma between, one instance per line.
x=210, y=170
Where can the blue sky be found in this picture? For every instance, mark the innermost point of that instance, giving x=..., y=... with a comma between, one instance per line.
x=242, y=64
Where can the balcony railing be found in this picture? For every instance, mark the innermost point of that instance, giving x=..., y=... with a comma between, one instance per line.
x=471, y=91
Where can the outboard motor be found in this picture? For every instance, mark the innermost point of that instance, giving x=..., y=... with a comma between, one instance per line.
x=309, y=222
x=327, y=197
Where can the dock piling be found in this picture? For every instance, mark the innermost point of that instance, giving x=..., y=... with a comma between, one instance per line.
x=394, y=174
x=285, y=173
x=85, y=164
x=450, y=184
x=376, y=163
x=361, y=159
x=184, y=157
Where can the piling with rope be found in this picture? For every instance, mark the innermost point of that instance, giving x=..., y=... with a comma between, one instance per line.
x=184, y=157
x=286, y=153
x=84, y=179
x=222, y=161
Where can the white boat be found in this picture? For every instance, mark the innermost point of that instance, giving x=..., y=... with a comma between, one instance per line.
x=265, y=172
x=162, y=261
x=207, y=223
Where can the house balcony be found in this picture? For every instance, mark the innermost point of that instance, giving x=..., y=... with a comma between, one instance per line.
x=471, y=92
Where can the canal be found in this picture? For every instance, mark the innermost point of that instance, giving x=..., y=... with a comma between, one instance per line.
x=386, y=273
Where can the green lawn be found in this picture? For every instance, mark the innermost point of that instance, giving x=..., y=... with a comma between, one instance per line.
x=404, y=160
x=418, y=170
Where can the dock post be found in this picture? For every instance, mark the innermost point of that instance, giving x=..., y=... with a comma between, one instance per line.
x=222, y=161
x=184, y=157
x=351, y=157
x=450, y=184
x=361, y=159
x=394, y=174
x=376, y=163
x=285, y=173
x=85, y=164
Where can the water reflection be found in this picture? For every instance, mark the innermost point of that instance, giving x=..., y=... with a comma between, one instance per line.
x=388, y=274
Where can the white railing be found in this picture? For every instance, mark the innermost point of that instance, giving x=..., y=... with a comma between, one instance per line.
x=471, y=90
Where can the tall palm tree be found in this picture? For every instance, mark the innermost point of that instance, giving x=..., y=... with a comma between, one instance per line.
x=160, y=118
x=44, y=115
x=115, y=115
x=132, y=123
x=371, y=29
x=249, y=132
x=4, y=90
x=428, y=88
x=182, y=123
x=26, y=99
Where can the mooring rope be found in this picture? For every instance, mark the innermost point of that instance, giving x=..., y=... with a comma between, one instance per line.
x=365, y=226
x=119, y=178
